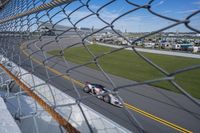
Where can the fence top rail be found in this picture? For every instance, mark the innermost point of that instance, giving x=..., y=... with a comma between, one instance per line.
x=2, y=3
x=42, y=7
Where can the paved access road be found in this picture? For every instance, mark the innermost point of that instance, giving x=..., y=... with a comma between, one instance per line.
x=155, y=51
x=174, y=112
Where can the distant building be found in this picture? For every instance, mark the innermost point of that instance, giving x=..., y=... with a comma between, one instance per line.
x=50, y=29
x=66, y=30
x=44, y=30
x=197, y=35
x=122, y=41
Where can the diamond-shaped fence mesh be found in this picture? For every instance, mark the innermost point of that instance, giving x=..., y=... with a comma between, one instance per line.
x=41, y=35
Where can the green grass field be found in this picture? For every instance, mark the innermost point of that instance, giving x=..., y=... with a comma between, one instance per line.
x=128, y=65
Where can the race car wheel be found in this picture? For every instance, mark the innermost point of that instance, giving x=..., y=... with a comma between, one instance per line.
x=86, y=89
x=106, y=98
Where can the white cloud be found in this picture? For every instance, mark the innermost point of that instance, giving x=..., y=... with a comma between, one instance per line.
x=159, y=3
x=94, y=7
x=135, y=22
x=196, y=3
x=187, y=11
x=167, y=11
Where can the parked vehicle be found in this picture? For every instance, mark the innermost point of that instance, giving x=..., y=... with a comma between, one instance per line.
x=176, y=46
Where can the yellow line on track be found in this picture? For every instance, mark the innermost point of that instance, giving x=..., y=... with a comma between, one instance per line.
x=160, y=120
x=131, y=107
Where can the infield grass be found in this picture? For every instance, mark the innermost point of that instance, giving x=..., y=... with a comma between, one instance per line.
x=127, y=64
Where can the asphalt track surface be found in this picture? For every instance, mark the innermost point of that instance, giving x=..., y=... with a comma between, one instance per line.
x=156, y=109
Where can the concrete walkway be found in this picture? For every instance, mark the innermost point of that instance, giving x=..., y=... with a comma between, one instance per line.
x=7, y=123
x=181, y=54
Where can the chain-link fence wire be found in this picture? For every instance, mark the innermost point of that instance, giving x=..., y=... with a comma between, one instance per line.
x=33, y=26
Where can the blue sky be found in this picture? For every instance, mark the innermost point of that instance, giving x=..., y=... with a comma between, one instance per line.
x=137, y=21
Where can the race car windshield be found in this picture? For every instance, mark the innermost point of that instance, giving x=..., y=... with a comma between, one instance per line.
x=98, y=86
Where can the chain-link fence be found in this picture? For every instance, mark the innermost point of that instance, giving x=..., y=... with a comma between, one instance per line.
x=43, y=36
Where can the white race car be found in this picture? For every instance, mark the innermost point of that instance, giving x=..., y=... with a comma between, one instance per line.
x=96, y=89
